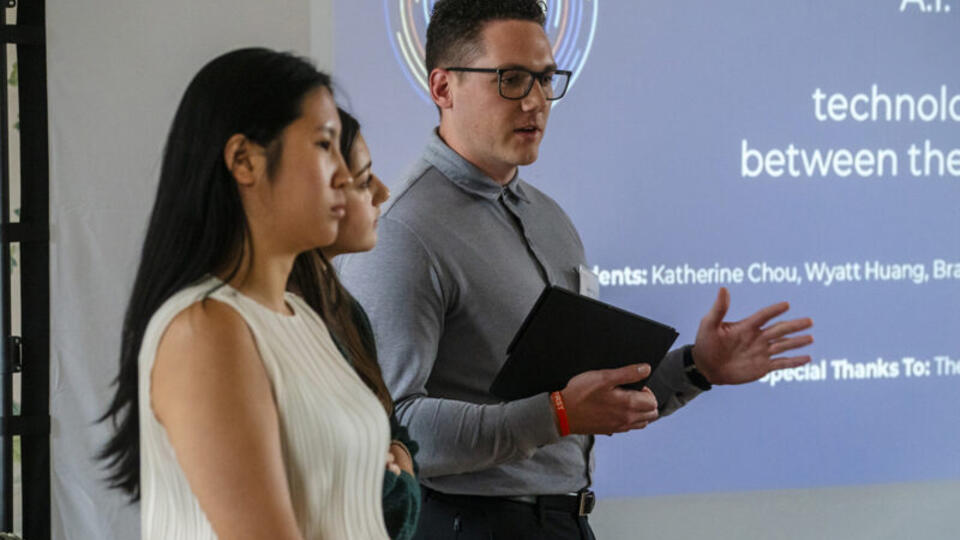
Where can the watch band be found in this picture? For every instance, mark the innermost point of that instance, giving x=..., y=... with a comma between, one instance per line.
x=693, y=374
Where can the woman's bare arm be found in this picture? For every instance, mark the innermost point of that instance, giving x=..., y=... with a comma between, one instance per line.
x=210, y=391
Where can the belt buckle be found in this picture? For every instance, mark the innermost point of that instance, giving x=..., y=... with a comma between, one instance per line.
x=586, y=501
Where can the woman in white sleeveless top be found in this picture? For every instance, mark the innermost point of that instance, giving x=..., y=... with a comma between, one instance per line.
x=235, y=414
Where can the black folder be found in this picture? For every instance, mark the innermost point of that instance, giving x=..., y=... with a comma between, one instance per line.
x=565, y=334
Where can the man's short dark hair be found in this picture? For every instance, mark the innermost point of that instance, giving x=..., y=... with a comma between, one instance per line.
x=453, y=36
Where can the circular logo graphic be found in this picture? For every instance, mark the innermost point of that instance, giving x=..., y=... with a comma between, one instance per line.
x=571, y=25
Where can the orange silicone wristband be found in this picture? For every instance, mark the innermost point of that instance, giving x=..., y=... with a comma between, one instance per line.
x=557, y=400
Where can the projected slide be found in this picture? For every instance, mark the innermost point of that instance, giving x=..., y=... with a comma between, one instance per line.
x=802, y=151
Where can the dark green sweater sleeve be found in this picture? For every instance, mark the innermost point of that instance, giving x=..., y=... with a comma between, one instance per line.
x=401, y=504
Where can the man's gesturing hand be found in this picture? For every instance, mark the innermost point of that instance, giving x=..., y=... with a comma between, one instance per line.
x=595, y=404
x=743, y=351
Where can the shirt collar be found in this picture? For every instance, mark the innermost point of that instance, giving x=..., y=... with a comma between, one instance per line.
x=466, y=175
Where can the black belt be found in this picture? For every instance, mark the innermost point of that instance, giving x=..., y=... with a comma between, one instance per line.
x=578, y=504
x=581, y=503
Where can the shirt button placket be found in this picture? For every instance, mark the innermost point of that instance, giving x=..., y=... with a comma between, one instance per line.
x=515, y=207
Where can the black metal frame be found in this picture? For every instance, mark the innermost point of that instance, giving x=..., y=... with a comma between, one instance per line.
x=534, y=76
x=29, y=353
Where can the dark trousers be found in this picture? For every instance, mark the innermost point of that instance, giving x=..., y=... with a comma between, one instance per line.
x=467, y=517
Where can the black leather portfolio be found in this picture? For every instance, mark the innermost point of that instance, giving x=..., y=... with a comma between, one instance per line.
x=566, y=334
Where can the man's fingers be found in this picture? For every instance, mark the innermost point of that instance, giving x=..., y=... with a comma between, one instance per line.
x=783, y=328
x=763, y=316
x=641, y=420
x=787, y=344
x=719, y=309
x=787, y=363
x=644, y=401
x=648, y=416
x=636, y=405
x=627, y=374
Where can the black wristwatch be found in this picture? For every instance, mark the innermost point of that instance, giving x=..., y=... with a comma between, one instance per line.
x=693, y=374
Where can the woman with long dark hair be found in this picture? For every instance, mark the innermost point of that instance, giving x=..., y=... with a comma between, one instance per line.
x=235, y=414
x=351, y=328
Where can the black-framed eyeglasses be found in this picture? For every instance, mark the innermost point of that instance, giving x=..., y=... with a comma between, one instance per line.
x=516, y=83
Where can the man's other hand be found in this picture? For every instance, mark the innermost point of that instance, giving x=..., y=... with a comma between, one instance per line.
x=744, y=351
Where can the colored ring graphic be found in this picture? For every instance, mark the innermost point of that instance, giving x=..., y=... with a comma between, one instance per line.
x=571, y=26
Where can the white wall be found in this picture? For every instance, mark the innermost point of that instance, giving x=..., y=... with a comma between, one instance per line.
x=116, y=71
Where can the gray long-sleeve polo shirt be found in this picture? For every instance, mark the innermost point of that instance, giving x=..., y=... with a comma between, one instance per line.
x=459, y=262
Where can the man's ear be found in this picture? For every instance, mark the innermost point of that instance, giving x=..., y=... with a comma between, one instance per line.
x=243, y=159
x=440, y=88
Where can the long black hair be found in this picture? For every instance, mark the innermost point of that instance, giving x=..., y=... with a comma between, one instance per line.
x=349, y=129
x=198, y=225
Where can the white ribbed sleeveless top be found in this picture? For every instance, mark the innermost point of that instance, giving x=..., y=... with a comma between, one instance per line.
x=334, y=432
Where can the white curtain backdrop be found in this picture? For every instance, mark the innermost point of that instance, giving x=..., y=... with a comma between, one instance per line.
x=116, y=70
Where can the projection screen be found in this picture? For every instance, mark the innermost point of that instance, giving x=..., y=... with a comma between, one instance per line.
x=802, y=151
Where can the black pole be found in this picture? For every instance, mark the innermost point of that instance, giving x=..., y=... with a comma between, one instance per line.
x=34, y=270
x=33, y=234
x=6, y=371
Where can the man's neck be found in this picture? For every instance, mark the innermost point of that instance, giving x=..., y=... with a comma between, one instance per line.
x=500, y=177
